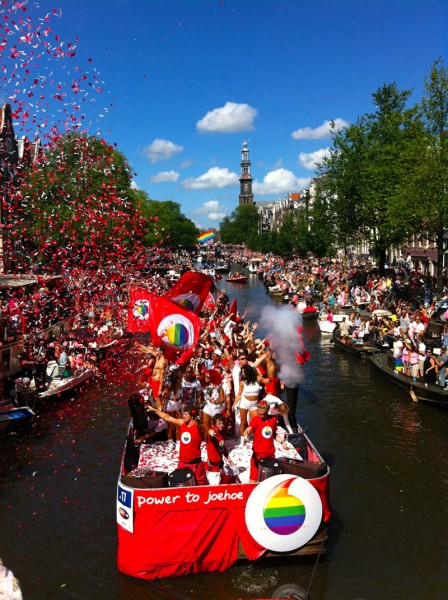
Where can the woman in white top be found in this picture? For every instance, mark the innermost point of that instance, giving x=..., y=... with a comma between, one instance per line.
x=215, y=401
x=248, y=395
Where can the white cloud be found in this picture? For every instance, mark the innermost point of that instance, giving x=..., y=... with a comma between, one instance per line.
x=280, y=182
x=186, y=163
x=211, y=210
x=323, y=131
x=309, y=160
x=159, y=150
x=206, y=207
x=164, y=176
x=214, y=178
x=230, y=118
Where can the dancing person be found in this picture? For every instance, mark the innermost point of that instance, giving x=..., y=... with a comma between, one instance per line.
x=264, y=428
x=191, y=435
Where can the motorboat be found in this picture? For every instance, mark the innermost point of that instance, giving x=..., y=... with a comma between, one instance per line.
x=168, y=526
x=60, y=381
x=325, y=325
x=13, y=417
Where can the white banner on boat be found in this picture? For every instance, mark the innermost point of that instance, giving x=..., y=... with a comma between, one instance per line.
x=125, y=507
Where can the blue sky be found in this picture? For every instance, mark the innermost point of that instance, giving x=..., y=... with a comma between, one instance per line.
x=178, y=85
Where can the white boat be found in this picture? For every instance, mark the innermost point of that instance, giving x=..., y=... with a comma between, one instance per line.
x=59, y=384
x=277, y=290
x=254, y=265
x=326, y=326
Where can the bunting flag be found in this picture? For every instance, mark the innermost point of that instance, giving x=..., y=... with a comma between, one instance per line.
x=138, y=310
x=190, y=291
x=177, y=329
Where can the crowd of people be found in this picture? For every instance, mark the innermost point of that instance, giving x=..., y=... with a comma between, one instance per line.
x=228, y=389
x=231, y=380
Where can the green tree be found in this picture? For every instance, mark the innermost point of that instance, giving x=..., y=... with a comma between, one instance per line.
x=365, y=178
x=168, y=226
x=79, y=203
x=241, y=226
x=429, y=194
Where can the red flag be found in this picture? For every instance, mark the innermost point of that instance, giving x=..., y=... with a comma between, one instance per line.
x=138, y=310
x=233, y=310
x=173, y=326
x=190, y=291
x=210, y=302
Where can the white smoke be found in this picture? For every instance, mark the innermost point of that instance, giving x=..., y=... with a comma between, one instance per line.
x=283, y=323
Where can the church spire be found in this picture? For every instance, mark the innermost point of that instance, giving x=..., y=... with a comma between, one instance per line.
x=246, y=195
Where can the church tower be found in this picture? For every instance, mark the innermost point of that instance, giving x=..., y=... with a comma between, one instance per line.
x=246, y=195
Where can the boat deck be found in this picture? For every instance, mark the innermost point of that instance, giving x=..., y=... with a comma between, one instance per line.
x=162, y=456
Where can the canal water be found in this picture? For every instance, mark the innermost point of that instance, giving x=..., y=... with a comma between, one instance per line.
x=389, y=491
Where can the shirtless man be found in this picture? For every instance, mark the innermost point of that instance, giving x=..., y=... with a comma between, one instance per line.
x=157, y=375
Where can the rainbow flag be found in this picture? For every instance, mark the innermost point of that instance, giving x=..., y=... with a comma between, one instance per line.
x=207, y=236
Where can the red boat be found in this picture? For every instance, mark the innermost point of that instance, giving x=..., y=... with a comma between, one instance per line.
x=237, y=279
x=168, y=526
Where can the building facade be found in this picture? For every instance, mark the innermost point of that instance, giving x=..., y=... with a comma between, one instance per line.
x=14, y=155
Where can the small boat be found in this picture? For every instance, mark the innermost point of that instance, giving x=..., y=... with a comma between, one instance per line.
x=237, y=279
x=182, y=529
x=309, y=313
x=13, y=417
x=59, y=384
x=277, y=290
x=222, y=266
x=357, y=347
x=417, y=389
x=254, y=265
x=326, y=326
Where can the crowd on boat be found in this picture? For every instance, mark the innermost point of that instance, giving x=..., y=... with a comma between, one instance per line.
x=228, y=389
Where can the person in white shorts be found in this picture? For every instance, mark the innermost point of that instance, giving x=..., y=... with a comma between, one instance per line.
x=248, y=396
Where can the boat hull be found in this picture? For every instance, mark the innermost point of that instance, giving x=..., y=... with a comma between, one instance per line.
x=169, y=532
x=417, y=390
x=353, y=348
x=62, y=386
x=326, y=327
x=12, y=419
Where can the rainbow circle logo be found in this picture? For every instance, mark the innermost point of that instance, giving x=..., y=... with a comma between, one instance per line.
x=186, y=437
x=266, y=432
x=140, y=310
x=190, y=301
x=283, y=513
x=176, y=331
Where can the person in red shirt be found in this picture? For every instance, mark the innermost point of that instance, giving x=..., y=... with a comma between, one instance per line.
x=216, y=449
x=190, y=437
x=264, y=428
